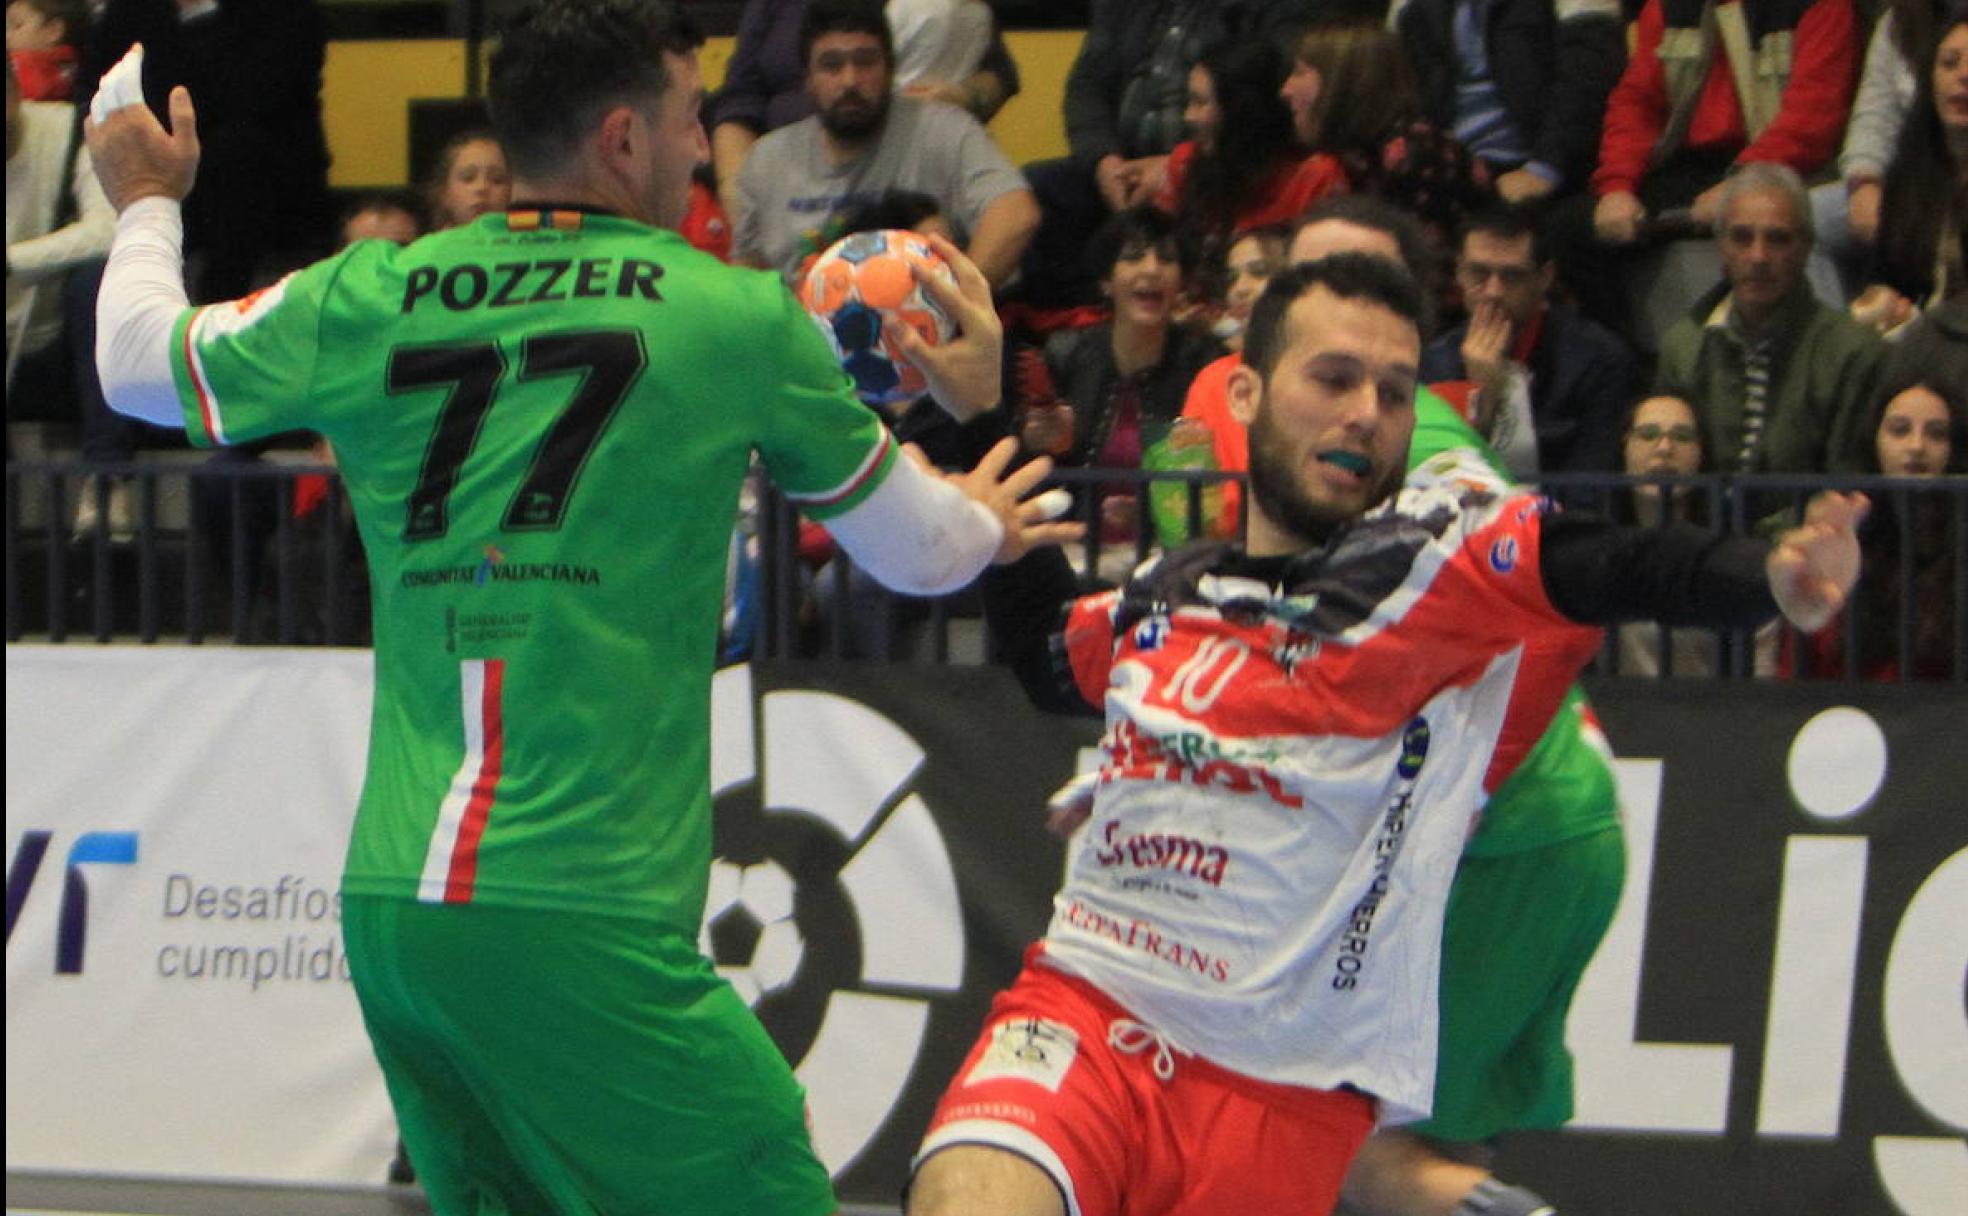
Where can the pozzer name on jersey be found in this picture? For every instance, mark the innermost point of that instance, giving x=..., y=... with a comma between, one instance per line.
x=508, y=284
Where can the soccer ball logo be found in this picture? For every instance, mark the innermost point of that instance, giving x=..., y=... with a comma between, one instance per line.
x=860, y=292
x=833, y=906
x=749, y=920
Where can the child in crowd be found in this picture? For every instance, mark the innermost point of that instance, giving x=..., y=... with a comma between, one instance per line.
x=42, y=37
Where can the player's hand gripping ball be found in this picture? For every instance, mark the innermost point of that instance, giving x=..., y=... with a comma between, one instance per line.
x=860, y=293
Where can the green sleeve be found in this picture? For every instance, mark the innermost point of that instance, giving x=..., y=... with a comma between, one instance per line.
x=823, y=447
x=245, y=368
x=1440, y=428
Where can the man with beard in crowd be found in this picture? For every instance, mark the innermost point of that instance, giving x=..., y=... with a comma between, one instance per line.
x=861, y=142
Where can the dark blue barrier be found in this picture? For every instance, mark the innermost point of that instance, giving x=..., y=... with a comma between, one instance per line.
x=218, y=552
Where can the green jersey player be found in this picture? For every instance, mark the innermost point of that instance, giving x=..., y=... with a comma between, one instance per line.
x=544, y=417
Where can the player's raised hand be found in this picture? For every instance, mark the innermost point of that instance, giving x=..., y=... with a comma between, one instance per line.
x=1813, y=567
x=966, y=374
x=135, y=157
x=1028, y=522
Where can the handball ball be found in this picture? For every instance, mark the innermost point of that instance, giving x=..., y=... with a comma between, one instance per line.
x=861, y=293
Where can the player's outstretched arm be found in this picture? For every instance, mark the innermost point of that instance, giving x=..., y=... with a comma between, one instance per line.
x=966, y=373
x=922, y=532
x=1813, y=567
x=1598, y=574
x=144, y=172
x=1027, y=520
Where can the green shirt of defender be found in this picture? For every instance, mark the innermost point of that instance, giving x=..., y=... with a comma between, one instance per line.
x=545, y=428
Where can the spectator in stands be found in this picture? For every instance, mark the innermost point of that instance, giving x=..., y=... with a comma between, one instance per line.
x=468, y=179
x=765, y=84
x=1846, y=212
x=381, y=216
x=42, y=37
x=1252, y=260
x=1241, y=168
x=1353, y=96
x=1247, y=266
x=262, y=207
x=1905, y=595
x=1124, y=103
x=58, y=230
x=1521, y=84
x=1783, y=381
x=1121, y=383
x=1922, y=256
x=1663, y=438
x=863, y=140
x=1761, y=81
x=706, y=224
x=1551, y=385
x=939, y=44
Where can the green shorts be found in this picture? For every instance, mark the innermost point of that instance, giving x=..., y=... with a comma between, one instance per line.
x=548, y=1062
x=1520, y=929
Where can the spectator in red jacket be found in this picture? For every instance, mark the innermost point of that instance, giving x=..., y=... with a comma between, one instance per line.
x=1776, y=86
x=1241, y=168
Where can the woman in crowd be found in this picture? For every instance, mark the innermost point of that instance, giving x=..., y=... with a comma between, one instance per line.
x=1247, y=266
x=1353, y=96
x=1923, y=226
x=1241, y=168
x=1251, y=262
x=1845, y=213
x=1117, y=388
x=1905, y=595
x=468, y=180
x=1663, y=438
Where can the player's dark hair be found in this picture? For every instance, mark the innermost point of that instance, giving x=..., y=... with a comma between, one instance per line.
x=1130, y=233
x=893, y=209
x=384, y=200
x=1419, y=254
x=1350, y=276
x=1508, y=223
x=562, y=64
x=1372, y=211
x=845, y=17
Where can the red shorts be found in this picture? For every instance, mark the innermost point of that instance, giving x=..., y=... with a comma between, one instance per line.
x=1064, y=1078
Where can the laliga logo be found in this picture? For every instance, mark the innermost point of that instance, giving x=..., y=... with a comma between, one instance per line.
x=833, y=907
x=1837, y=766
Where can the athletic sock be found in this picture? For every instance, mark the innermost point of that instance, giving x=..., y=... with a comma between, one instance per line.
x=1494, y=1198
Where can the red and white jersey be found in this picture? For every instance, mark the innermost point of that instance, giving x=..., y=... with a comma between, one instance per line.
x=1292, y=766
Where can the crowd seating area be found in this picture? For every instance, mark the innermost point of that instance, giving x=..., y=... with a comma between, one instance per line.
x=1668, y=261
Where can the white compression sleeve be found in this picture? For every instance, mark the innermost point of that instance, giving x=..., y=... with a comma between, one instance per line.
x=142, y=296
x=918, y=534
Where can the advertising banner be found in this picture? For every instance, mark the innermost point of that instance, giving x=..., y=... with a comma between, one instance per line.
x=178, y=1003
x=1776, y=1023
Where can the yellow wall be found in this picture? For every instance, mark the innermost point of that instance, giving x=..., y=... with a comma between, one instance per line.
x=368, y=87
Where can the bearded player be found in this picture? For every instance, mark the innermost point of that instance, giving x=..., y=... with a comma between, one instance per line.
x=1240, y=978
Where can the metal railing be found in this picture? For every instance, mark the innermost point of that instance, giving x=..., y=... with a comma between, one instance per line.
x=218, y=553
